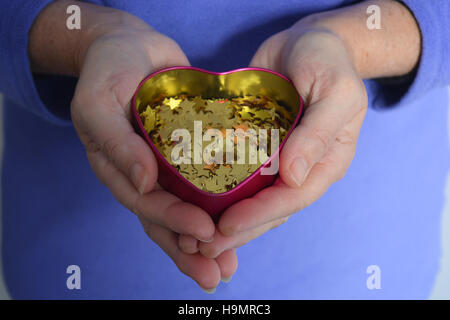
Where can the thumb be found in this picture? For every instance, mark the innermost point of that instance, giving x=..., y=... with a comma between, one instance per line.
x=310, y=140
x=110, y=132
x=322, y=120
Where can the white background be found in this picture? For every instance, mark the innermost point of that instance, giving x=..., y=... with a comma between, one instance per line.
x=442, y=285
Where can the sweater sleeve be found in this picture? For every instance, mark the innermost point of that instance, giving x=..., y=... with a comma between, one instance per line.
x=433, y=70
x=17, y=82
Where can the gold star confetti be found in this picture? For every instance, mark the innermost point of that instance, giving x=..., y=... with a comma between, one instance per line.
x=248, y=112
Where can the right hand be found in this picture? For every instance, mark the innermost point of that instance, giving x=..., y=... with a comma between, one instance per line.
x=112, y=65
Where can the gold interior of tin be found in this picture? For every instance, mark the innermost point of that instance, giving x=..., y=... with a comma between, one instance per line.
x=196, y=83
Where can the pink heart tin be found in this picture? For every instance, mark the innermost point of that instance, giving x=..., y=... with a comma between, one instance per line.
x=198, y=82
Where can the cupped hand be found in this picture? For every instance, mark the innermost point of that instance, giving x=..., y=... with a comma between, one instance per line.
x=320, y=149
x=112, y=65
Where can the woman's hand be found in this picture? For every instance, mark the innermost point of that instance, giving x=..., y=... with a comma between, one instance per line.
x=113, y=64
x=325, y=55
x=320, y=149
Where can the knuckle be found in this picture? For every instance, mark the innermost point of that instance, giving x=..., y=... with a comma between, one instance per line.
x=110, y=147
x=99, y=166
x=346, y=137
x=321, y=138
x=92, y=147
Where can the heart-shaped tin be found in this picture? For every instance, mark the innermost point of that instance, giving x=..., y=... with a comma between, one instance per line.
x=191, y=81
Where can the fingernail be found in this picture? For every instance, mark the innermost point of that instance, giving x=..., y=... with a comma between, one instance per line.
x=209, y=291
x=136, y=172
x=298, y=170
x=206, y=241
x=231, y=230
x=227, y=279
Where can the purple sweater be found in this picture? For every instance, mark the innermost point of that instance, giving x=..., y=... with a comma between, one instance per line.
x=386, y=212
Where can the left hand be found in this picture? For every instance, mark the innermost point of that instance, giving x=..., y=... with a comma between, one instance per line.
x=120, y=55
x=320, y=149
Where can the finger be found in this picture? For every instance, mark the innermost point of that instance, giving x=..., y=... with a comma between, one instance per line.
x=228, y=264
x=204, y=271
x=226, y=259
x=158, y=206
x=222, y=243
x=281, y=200
x=187, y=244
